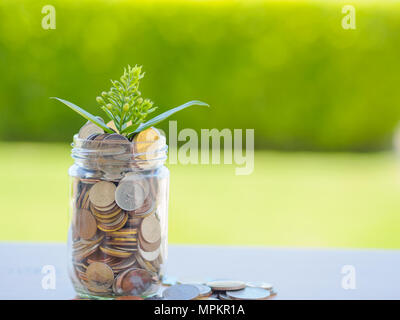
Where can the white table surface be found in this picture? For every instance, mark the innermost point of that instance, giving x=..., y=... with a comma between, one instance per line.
x=295, y=273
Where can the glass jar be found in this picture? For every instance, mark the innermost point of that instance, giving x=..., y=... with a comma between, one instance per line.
x=117, y=242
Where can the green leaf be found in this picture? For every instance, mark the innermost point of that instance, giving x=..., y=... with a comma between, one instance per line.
x=130, y=129
x=166, y=114
x=108, y=112
x=86, y=115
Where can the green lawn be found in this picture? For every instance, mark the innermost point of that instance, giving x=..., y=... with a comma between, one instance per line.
x=291, y=199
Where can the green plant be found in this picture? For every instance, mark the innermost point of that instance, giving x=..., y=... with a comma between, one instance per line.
x=124, y=105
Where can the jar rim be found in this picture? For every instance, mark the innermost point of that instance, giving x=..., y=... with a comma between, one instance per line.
x=119, y=152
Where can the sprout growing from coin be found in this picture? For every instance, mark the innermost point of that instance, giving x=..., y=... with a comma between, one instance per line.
x=125, y=106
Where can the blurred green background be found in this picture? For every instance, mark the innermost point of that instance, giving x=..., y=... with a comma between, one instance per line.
x=316, y=94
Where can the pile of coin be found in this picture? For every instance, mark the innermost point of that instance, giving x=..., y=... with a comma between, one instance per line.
x=119, y=214
x=112, y=155
x=215, y=290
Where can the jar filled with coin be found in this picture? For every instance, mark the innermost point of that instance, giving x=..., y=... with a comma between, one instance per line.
x=119, y=207
x=119, y=194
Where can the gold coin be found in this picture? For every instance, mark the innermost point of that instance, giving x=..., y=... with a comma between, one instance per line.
x=111, y=125
x=144, y=139
x=100, y=275
x=114, y=226
x=115, y=252
x=86, y=224
x=123, y=232
x=150, y=229
x=102, y=194
x=96, y=288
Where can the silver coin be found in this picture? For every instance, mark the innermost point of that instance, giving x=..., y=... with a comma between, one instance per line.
x=138, y=178
x=204, y=290
x=224, y=285
x=129, y=195
x=181, y=292
x=260, y=284
x=115, y=137
x=149, y=256
x=249, y=293
x=88, y=129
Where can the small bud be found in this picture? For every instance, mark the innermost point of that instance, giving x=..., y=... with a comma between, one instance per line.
x=140, y=100
x=104, y=94
x=126, y=107
x=100, y=100
x=109, y=106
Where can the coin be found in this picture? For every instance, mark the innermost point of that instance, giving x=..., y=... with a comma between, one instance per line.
x=223, y=296
x=115, y=252
x=181, y=292
x=111, y=125
x=99, y=289
x=102, y=194
x=225, y=285
x=144, y=139
x=119, y=253
x=148, y=247
x=115, y=137
x=85, y=252
x=249, y=293
x=259, y=284
x=100, y=275
x=99, y=256
x=146, y=209
x=124, y=264
x=149, y=256
x=86, y=225
x=115, y=224
x=134, y=281
x=88, y=129
x=134, y=222
x=108, y=209
x=138, y=178
x=129, y=298
x=205, y=291
x=150, y=229
x=129, y=195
